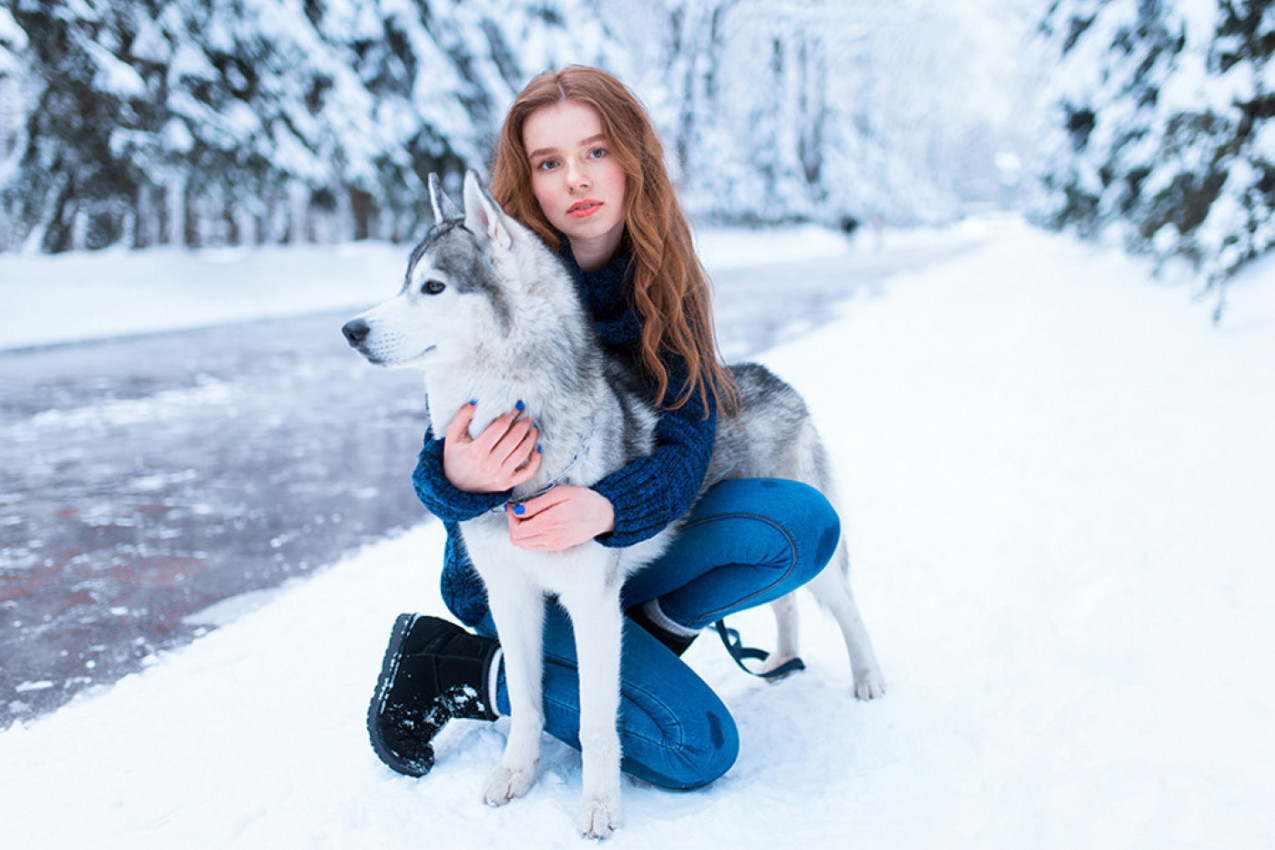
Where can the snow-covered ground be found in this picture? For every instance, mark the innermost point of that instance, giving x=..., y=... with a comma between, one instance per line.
x=1059, y=483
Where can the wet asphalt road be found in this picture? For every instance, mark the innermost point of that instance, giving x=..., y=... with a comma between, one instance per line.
x=144, y=479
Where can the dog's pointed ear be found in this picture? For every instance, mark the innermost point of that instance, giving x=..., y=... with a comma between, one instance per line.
x=483, y=214
x=444, y=207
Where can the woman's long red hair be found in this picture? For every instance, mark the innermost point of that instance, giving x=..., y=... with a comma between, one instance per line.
x=670, y=287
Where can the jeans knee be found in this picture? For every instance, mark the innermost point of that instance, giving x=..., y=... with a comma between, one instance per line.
x=802, y=523
x=725, y=738
x=829, y=537
x=814, y=526
x=704, y=750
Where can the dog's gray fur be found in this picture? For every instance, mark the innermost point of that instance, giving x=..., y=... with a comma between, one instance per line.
x=489, y=313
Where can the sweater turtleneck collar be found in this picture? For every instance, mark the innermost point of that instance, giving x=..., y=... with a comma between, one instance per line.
x=614, y=268
x=605, y=293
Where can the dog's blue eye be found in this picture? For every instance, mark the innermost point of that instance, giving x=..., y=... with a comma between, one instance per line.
x=433, y=287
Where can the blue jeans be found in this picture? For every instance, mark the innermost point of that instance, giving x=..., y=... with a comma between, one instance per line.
x=747, y=542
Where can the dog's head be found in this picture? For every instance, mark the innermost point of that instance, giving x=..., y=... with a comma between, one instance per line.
x=457, y=293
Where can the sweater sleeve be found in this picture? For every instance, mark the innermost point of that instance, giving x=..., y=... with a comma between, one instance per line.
x=656, y=489
x=439, y=496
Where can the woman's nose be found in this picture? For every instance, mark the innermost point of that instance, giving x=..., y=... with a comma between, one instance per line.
x=577, y=178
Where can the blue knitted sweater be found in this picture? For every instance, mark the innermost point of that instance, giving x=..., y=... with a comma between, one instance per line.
x=647, y=495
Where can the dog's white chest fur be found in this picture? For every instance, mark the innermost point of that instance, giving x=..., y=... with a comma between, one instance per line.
x=497, y=560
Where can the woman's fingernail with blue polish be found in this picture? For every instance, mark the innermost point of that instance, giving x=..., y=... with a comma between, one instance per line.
x=519, y=406
x=473, y=402
x=519, y=510
x=539, y=450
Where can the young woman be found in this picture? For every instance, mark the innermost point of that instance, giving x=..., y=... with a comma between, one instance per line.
x=579, y=163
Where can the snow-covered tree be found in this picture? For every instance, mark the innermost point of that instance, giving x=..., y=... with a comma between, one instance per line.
x=15, y=84
x=208, y=122
x=821, y=109
x=211, y=122
x=66, y=175
x=1165, y=107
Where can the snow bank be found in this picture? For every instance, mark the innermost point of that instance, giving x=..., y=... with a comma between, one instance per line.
x=1058, y=480
x=79, y=296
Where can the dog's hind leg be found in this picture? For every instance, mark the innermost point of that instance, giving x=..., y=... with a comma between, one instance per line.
x=786, y=633
x=598, y=623
x=832, y=589
x=518, y=610
x=832, y=586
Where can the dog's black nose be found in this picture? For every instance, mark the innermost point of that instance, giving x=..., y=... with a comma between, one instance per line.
x=355, y=331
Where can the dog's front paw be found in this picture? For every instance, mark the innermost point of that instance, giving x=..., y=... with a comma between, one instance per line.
x=598, y=817
x=504, y=784
x=869, y=685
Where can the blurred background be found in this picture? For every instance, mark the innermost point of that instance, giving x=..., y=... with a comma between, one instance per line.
x=252, y=122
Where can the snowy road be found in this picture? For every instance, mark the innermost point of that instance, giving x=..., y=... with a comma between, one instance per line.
x=145, y=479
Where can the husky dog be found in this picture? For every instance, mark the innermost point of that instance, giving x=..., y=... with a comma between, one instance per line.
x=489, y=313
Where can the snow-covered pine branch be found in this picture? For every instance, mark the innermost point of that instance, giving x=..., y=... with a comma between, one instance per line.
x=1166, y=140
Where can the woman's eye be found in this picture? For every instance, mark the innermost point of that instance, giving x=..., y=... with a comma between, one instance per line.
x=433, y=287
x=597, y=153
x=547, y=165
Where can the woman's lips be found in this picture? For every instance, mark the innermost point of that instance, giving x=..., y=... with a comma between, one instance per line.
x=584, y=208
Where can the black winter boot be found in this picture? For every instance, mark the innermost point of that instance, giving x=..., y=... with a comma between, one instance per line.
x=433, y=671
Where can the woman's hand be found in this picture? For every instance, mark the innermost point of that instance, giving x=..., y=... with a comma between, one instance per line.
x=566, y=516
x=503, y=456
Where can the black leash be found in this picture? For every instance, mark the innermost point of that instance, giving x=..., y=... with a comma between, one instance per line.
x=739, y=652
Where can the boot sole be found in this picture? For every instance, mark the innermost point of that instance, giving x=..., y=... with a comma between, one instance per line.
x=389, y=670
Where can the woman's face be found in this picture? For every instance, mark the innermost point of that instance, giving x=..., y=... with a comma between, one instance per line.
x=579, y=185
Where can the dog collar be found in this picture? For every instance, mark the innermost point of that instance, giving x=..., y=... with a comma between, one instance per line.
x=582, y=451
